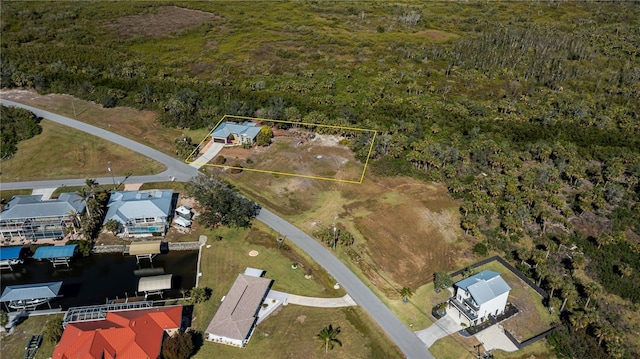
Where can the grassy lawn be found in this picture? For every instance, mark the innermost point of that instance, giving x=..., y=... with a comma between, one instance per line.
x=62, y=152
x=454, y=346
x=290, y=332
x=533, y=317
x=12, y=345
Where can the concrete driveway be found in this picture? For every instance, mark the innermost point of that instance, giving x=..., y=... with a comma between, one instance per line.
x=445, y=326
x=210, y=151
x=494, y=338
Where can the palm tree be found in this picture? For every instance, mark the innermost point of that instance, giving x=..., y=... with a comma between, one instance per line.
x=328, y=335
x=605, y=332
x=554, y=281
x=406, y=293
x=625, y=270
x=591, y=289
x=569, y=293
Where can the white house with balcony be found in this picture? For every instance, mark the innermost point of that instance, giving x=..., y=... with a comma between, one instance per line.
x=480, y=296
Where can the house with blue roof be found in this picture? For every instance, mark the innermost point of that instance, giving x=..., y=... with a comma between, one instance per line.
x=236, y=134
x=28, y=217
x=480, y=296
x=141, y=213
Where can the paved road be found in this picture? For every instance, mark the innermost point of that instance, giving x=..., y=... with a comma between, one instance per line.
x=406, y=340
x=174, y=168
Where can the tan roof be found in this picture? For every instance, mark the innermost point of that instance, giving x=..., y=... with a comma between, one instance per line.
x=158, y=282
x=152, y=247
x=238, y=312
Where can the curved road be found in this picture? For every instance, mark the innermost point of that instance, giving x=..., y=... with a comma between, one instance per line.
x=405, y=339
x=174, y=168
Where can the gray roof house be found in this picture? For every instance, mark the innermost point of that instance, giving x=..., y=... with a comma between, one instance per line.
x=235, y=320
x=481, y=295
x=141, y=213
x=29, y=217
x=236, y=134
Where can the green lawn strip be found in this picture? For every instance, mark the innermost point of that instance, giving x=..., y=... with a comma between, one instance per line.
x=66, y=189
x=454, y=347
x=537, y=322
x=176, y=186
x=12, y=345
x=61, y=152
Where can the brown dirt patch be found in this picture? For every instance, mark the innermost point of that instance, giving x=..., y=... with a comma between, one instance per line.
x=163, y=22
x=437, y=35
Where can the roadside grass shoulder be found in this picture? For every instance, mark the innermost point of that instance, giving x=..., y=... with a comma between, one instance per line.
x=61, y=152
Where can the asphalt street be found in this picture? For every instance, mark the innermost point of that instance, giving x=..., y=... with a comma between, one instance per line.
x=405, y=339
x=181, y=171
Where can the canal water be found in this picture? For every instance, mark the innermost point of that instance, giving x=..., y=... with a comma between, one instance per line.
x=102, y=277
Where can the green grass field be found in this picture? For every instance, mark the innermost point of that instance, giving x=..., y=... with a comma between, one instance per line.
x=61, y=152
x=12, y=345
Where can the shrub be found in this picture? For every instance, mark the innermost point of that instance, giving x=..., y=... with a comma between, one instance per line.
x=480, y=249
x=178, y=346
x=219, y=160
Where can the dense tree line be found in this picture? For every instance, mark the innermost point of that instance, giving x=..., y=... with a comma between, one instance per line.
x=529, y=114
x=16, y=125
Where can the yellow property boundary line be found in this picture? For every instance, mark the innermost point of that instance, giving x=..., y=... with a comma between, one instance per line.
x=375, y=133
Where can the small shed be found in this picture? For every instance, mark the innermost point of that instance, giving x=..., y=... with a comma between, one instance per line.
x=155, y=284
x=184, y=212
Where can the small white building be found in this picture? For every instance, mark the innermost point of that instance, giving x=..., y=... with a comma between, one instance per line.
x=480, y=296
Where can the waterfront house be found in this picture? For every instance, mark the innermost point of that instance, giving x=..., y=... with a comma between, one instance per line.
x=141, y=213
x=136, y=333
x=236, y=134
x=480, y=296
x=236, y=318
x=28, y=217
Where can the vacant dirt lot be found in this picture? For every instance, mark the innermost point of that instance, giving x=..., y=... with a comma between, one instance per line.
x=405, y=229
x=321, y=157
x=163, y=22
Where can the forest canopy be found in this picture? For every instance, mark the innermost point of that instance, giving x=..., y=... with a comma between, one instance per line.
x=16, y=125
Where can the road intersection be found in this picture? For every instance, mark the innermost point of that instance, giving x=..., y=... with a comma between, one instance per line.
x=405, y=339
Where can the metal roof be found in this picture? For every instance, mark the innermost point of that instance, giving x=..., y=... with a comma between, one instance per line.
x=31, y=291
x=7, y=253
x=50, y=252
x=159, y=282
x=249, y=129
x=32, y=206
x=237, y=314
x=127, y=205
x=484, y=286
x=151, y=247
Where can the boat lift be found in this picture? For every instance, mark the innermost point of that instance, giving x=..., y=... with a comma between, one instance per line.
x=57, y=255
x=145, y=250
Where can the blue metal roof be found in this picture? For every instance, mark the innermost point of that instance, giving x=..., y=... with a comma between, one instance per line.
x=225, y=129
x=128, y=205
x=32, y=206
x=7, y=253
x=484, y=286
x=50, y=252
x=31, y=291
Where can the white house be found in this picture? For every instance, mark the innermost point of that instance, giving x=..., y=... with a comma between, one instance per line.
x=237, y=316
x=480, y=296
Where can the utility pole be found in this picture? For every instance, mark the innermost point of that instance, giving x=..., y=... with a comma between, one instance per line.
x=112, y=177
x=335, y=237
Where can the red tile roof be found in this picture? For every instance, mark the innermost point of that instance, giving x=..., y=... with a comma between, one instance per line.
x=122, y=334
